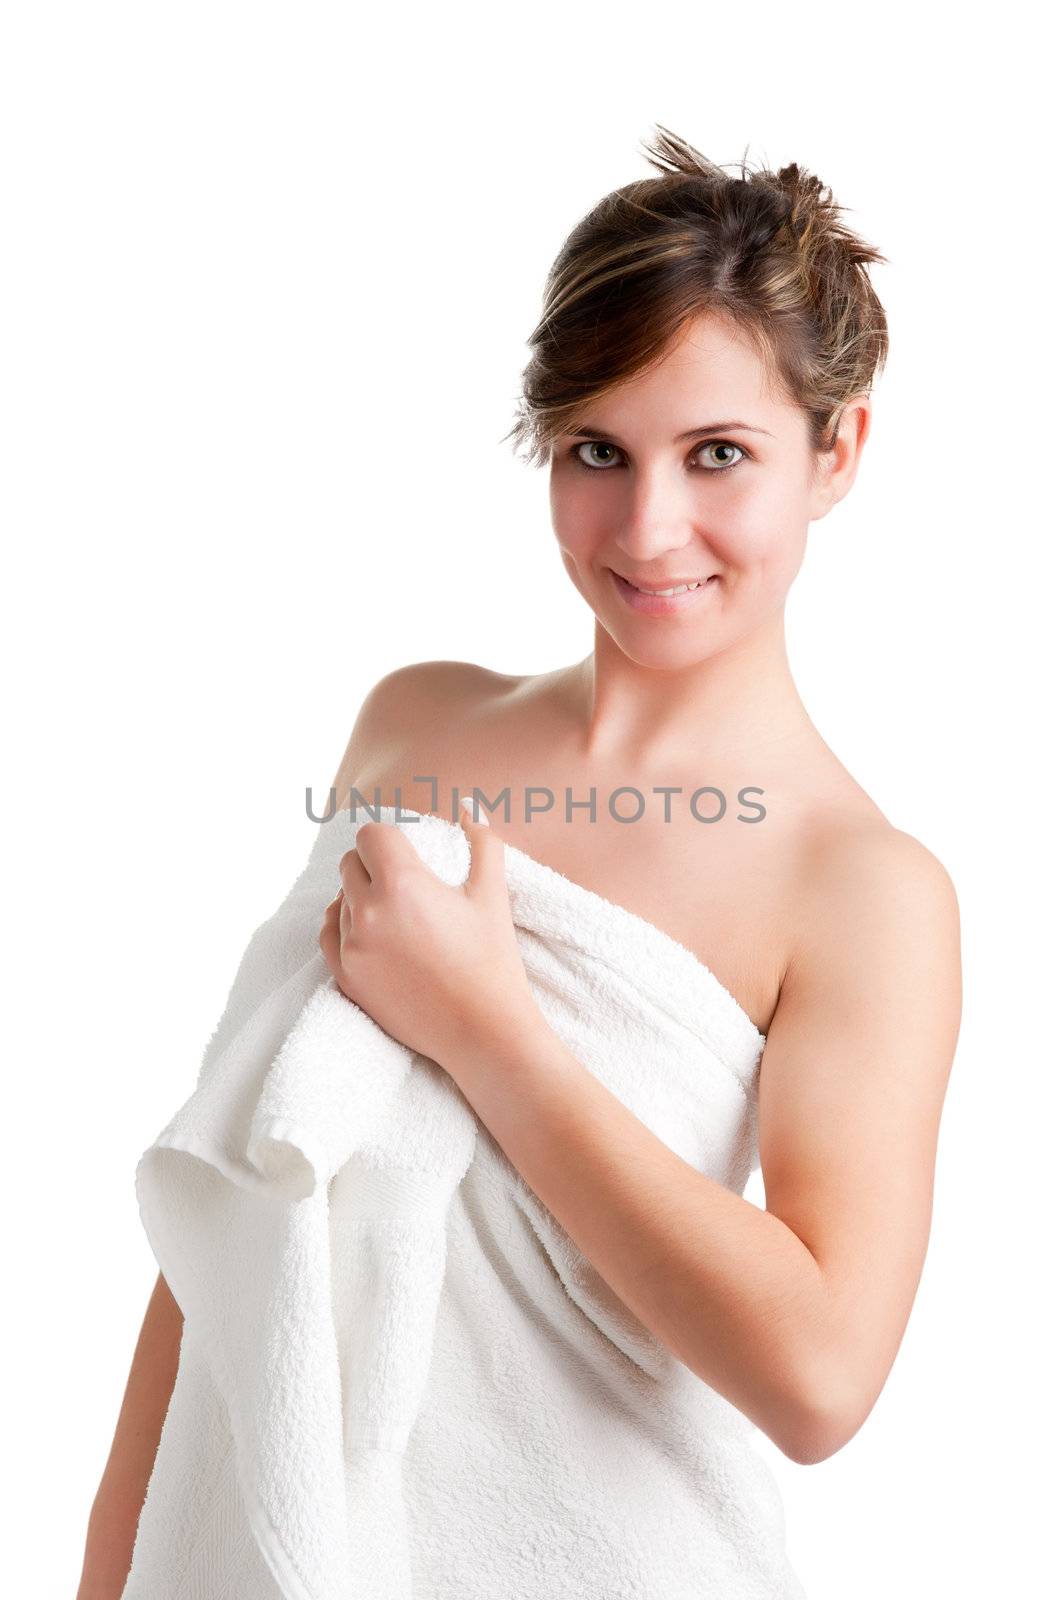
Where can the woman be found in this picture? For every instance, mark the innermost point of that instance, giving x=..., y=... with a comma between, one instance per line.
x=700, y=388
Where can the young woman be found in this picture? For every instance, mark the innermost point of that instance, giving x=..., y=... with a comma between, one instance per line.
x=700, y=388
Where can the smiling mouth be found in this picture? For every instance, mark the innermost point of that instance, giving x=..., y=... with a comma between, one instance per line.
x=683, y=586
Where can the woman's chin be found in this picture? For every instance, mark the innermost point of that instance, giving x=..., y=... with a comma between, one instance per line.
x=658, y=653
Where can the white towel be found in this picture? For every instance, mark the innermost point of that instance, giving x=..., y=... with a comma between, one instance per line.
x=297, y=1206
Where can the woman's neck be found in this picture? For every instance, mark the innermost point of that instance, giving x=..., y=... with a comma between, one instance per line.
x=735, y=702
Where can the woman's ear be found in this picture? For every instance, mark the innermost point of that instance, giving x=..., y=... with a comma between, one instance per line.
x=835, y=469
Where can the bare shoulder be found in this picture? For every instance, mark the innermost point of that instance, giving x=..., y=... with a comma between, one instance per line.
x=877, y=925
x=406, y=702
x=424, y=687
x=862, y=868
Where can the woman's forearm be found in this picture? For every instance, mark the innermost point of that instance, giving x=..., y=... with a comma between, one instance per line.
x=115, y=1513
x=727, y=1287
x=108, y=1546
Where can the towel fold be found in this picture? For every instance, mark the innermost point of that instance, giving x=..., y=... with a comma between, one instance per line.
x=297, y=1205
x=234, y=1195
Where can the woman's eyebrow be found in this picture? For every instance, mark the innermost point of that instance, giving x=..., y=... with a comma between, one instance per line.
x=707, y=427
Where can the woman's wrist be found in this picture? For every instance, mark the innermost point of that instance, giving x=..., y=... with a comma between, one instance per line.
x=509, y=1043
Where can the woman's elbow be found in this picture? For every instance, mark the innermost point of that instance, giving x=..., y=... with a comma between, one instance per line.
x=818, y=1428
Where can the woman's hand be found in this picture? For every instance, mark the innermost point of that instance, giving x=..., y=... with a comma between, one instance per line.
x=437, y=966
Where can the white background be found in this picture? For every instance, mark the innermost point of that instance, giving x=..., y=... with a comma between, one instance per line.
x=267, y=274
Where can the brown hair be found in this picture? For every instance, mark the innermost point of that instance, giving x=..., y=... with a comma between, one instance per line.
x=765, y=251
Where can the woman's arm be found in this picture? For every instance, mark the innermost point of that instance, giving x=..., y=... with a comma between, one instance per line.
x=795, y=1312
x=116, y=1509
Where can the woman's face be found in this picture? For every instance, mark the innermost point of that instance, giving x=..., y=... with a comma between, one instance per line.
x=729, y=503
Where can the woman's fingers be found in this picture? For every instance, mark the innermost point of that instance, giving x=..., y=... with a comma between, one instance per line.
x=337, y=921
x=329, y=935
x=354, y=875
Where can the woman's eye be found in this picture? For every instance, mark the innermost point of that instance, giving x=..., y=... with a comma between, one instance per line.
x=590, y=445
x=601, y=445
x=722, y=444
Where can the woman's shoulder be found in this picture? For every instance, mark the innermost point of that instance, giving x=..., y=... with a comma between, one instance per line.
x=407, y=707
x=427, y=685
x=845, y=876
x=854, y=863
x=853, y=838
x=845, y=839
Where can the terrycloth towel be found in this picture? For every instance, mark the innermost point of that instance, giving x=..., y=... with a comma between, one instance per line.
x=297, y=1205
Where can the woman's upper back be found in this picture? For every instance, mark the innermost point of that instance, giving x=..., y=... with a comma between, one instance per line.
x=734, y=891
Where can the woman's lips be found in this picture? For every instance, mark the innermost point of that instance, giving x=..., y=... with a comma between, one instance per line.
x=662, y=605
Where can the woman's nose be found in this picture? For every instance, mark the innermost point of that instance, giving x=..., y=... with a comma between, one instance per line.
x=655, y=519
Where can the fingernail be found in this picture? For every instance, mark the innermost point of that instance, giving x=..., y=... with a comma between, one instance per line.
x=468, y=806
